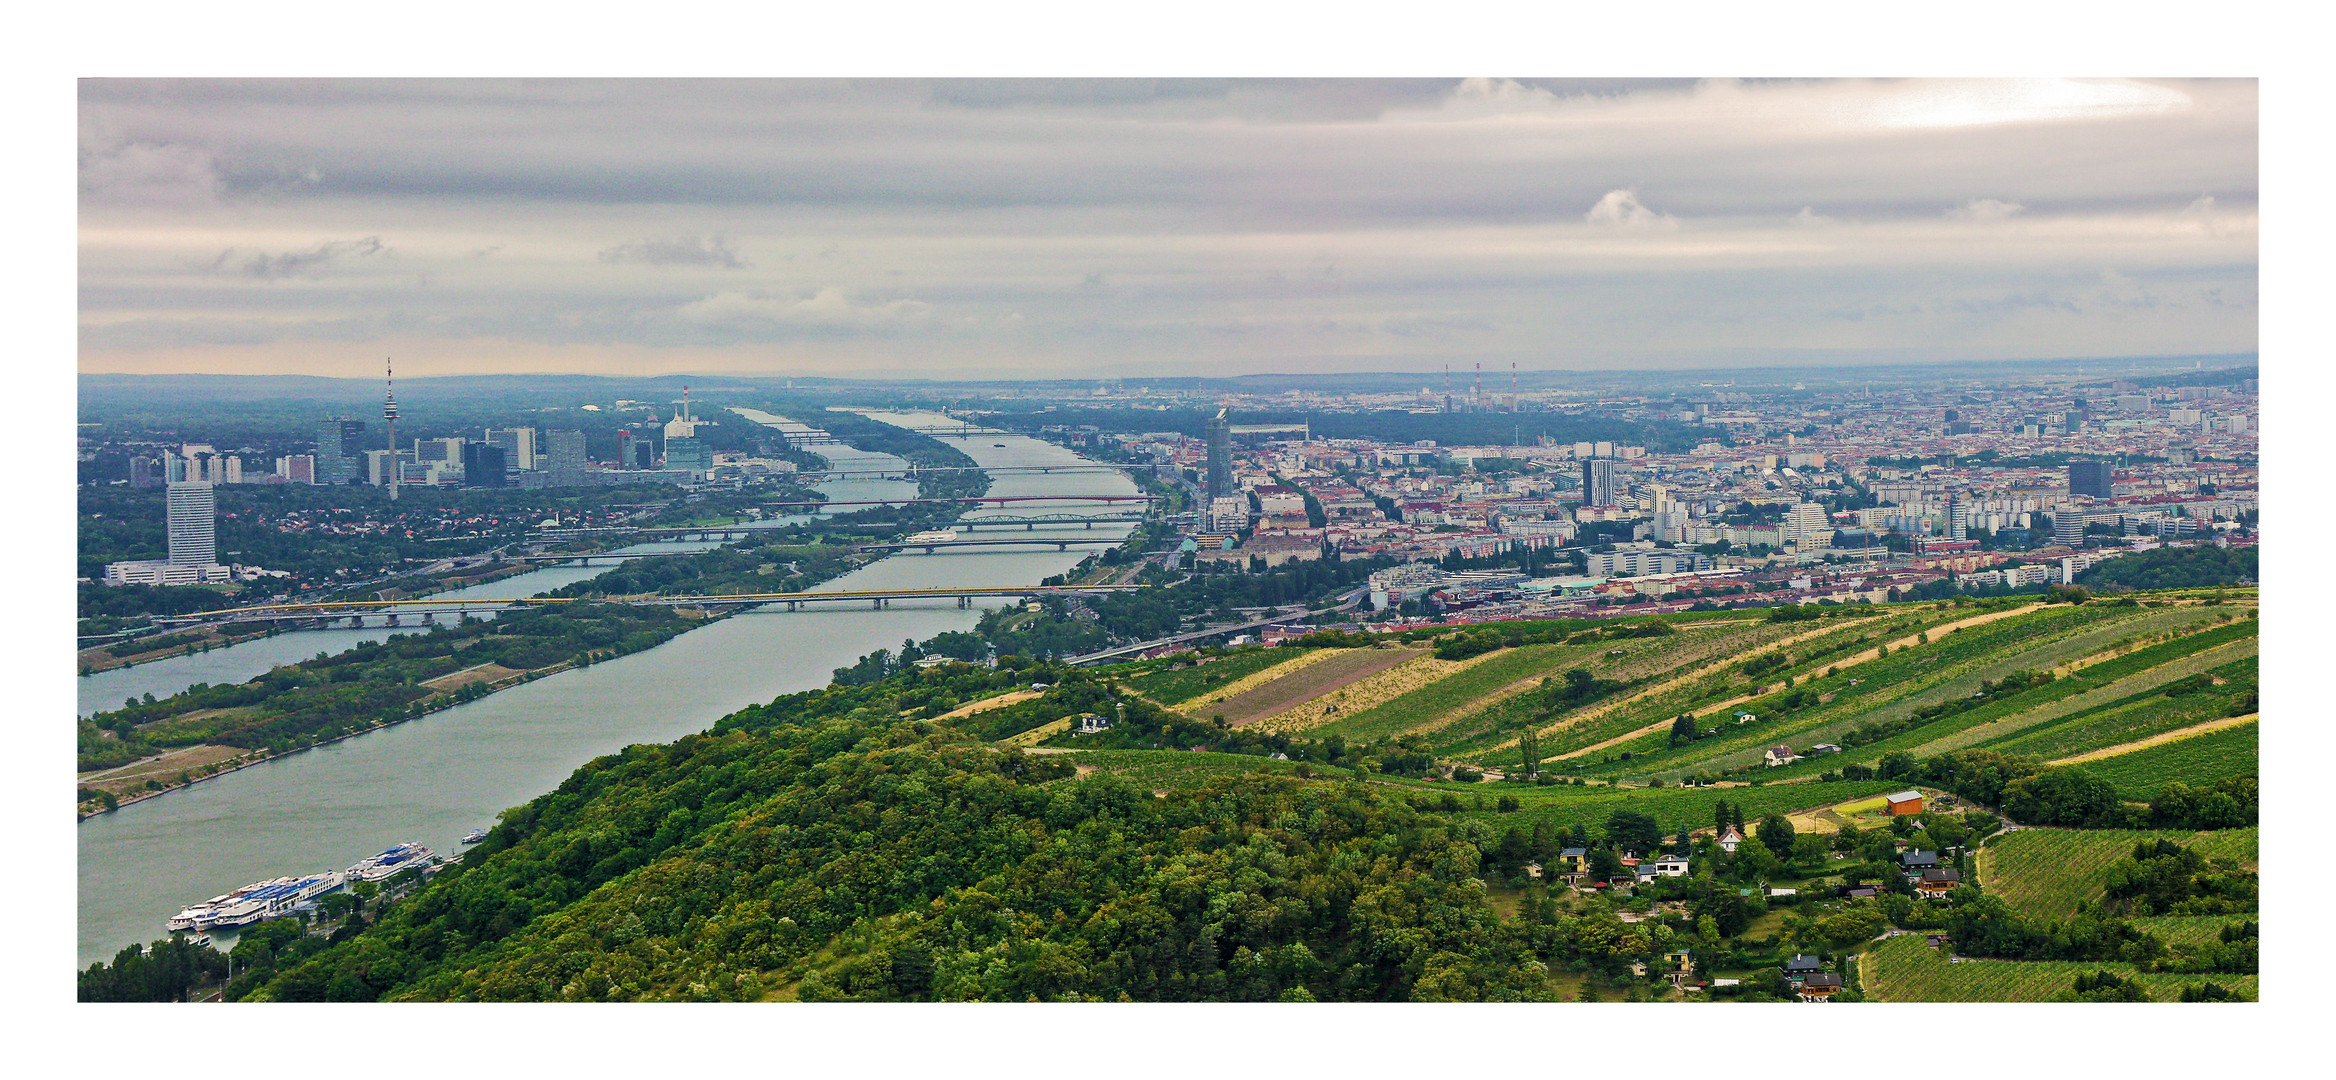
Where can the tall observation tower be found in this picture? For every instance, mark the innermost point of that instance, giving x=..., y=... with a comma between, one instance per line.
x=389, y=416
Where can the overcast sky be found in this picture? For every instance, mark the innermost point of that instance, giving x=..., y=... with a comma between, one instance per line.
x=1001, y=228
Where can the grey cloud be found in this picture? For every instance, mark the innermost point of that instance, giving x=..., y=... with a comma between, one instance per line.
x=1052, y=221
x=165, y=174
x=677, y=251
x=287, y=264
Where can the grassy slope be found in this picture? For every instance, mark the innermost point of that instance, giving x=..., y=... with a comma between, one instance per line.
x=2197, y=761
x=2046, y=873
x=1905, y=969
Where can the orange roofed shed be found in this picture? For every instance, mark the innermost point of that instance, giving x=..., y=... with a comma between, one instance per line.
x=1905, y=802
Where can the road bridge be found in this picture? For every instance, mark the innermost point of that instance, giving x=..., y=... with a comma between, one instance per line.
x=970, y=500
x=1036, y=521
x=912, y=472
x=1061, y=543
x=426, y=609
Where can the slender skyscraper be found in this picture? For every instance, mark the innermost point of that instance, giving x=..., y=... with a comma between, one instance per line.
x=1220, y=456
x=389, y=416
x=193, y=519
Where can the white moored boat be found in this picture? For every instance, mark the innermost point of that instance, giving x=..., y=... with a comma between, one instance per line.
x=402, y=857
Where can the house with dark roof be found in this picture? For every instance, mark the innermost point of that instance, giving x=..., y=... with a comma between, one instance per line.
x=1820, y=987
x=1780, y=754
x=1803, y=964
x=1938, y=881
x=1918, y=860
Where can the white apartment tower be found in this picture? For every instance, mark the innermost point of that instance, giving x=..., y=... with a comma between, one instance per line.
x=194, y=524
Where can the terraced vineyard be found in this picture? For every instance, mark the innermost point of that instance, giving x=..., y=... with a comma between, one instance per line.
x=1172, y=685
x=1906, y=969
x=2198, y=760
x=2011, y=675
x=2046, y=873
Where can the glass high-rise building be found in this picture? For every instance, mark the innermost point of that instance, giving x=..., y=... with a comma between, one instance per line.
x=1598, y=482
x=1220, y=475
x=518, y=446
x=193, y=519
x=340, y=450
x=483, y=465
x=2089, y=478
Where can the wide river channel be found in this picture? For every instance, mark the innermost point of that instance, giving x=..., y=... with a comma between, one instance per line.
x=437, y=777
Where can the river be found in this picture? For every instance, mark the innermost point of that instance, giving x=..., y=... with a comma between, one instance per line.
x=251, y=659
x=434, y=778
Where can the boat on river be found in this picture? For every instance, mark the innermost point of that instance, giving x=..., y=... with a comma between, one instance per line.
x=256, y=902
x=931, y=536
x=404, y=856
x=474, y=836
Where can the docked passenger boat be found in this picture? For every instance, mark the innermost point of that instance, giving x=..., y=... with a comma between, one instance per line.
x=404, y=856
x=931, y=536
x=474, y=836
x=256, y=902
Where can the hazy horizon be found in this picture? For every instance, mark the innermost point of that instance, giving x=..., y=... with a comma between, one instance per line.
x=991, y=229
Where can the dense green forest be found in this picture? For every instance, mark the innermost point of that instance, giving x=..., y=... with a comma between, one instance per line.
x=2174, y=568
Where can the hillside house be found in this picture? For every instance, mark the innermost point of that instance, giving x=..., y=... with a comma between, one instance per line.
x=1938, y=882
x=1091, y=724
x=1905, y=802
x=1780, y=754
x=1917, y=861
x=1802, y=964
x=1573, y=864
x=1820, y=987
x=1668, y=865
x=1678, y=966
x=1729, y=838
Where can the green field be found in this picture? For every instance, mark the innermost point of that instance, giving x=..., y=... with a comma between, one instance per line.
x=2197, y=761
x=2046, y=873
x=1905, y=969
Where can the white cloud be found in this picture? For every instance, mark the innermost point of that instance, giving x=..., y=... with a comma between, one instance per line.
x=826, y=306
x=1809, y=216
x=1985, y=210
x=1620, y=208
x=677, y=251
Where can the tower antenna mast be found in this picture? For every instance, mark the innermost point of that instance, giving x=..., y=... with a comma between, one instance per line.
x=389, y=414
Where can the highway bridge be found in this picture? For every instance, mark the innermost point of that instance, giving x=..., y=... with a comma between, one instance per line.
x=969, y=500
x=927, y=546
x=427, y=609
x=1061, y=543
x=913, y=472
x=743, y=530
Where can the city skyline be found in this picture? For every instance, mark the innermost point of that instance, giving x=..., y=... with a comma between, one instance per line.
x=1064, y=228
